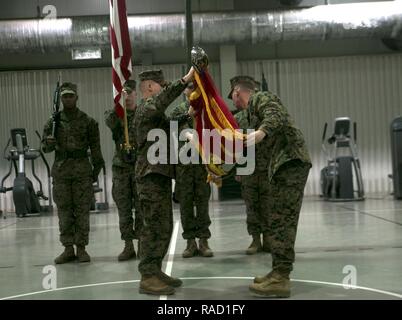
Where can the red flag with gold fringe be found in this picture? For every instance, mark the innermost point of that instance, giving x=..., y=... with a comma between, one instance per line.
x=212, y=113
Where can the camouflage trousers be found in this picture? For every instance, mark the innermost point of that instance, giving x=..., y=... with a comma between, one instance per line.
x=155, y=193
x=286, y=197
x=73, y=197
x=125, y=196
x=255, y=192
x=191, y=190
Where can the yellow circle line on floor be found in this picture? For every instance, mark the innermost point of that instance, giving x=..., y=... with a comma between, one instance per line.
x=205, y=278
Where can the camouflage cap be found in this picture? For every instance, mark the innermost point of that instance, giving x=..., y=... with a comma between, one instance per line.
x=130, y=86
x=245, y=81
x=68, y=88
x=154, y=75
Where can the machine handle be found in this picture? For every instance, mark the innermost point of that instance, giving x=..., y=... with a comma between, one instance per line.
x=354, y=132
x=5, y=149
x=325, y=132
x=41, y=153
x=20, y=145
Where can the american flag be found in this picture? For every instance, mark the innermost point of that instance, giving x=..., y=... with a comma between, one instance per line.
x=121, y=51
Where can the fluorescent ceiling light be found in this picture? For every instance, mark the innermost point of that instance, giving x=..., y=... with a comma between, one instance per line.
x=86, y=54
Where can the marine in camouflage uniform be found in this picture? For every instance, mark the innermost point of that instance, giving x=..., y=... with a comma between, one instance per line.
x=72, y=172
x=254, y=187
x=124, y=189
x=191, y=189
x=281, y=142
x=154, y=181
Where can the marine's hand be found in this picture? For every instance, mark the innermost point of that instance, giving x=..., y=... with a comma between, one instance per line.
x=215, y=179
x=191, y=112
x=254, y=137
x=189, y=76
x=189, y=136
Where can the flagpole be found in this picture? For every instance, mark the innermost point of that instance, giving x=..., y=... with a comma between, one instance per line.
x=189, y=31
x=127, y=145
x=121, y=62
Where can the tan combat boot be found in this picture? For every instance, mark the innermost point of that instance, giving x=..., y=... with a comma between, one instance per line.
x=170, y=281
x=275, y=285
x=261, y=279
x=152, y=284
x=82, y=255
x=191, y=249
x=128, y=252
x=265, y=243
x=204, y=249
x=67, y=255
x=255, y=245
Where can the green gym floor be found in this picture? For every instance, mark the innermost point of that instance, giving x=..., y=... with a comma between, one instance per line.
x=350, y=250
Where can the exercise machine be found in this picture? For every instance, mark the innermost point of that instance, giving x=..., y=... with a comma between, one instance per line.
x=337, y=178
x=396, y=153
x=26, y=200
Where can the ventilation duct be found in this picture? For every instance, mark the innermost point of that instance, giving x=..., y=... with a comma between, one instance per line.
x=380, y=20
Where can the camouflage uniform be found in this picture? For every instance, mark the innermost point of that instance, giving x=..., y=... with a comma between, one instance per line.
x=191, y=187
x=72, y=172
x=284, y=156
x=255, y=187
x=154, y=180
x=124, y=189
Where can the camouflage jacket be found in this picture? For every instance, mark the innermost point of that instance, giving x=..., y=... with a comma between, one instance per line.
x=150, y=114
x=283, y=141
x=76, y=133
x=116, y=125
x=241, y=118
x=262, y=151
x=180, y=114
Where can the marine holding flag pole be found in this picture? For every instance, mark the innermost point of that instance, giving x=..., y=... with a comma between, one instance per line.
x=121, y=63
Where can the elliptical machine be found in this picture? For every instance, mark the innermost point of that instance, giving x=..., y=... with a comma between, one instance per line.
x=337, y=178
x=26, y=200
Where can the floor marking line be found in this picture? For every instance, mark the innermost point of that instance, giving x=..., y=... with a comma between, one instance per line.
x=172, y=249
x=206, y=278
x=68, y=288
x=3, y=227
x=57, y=227
x=351, y=287
x=371, y=215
